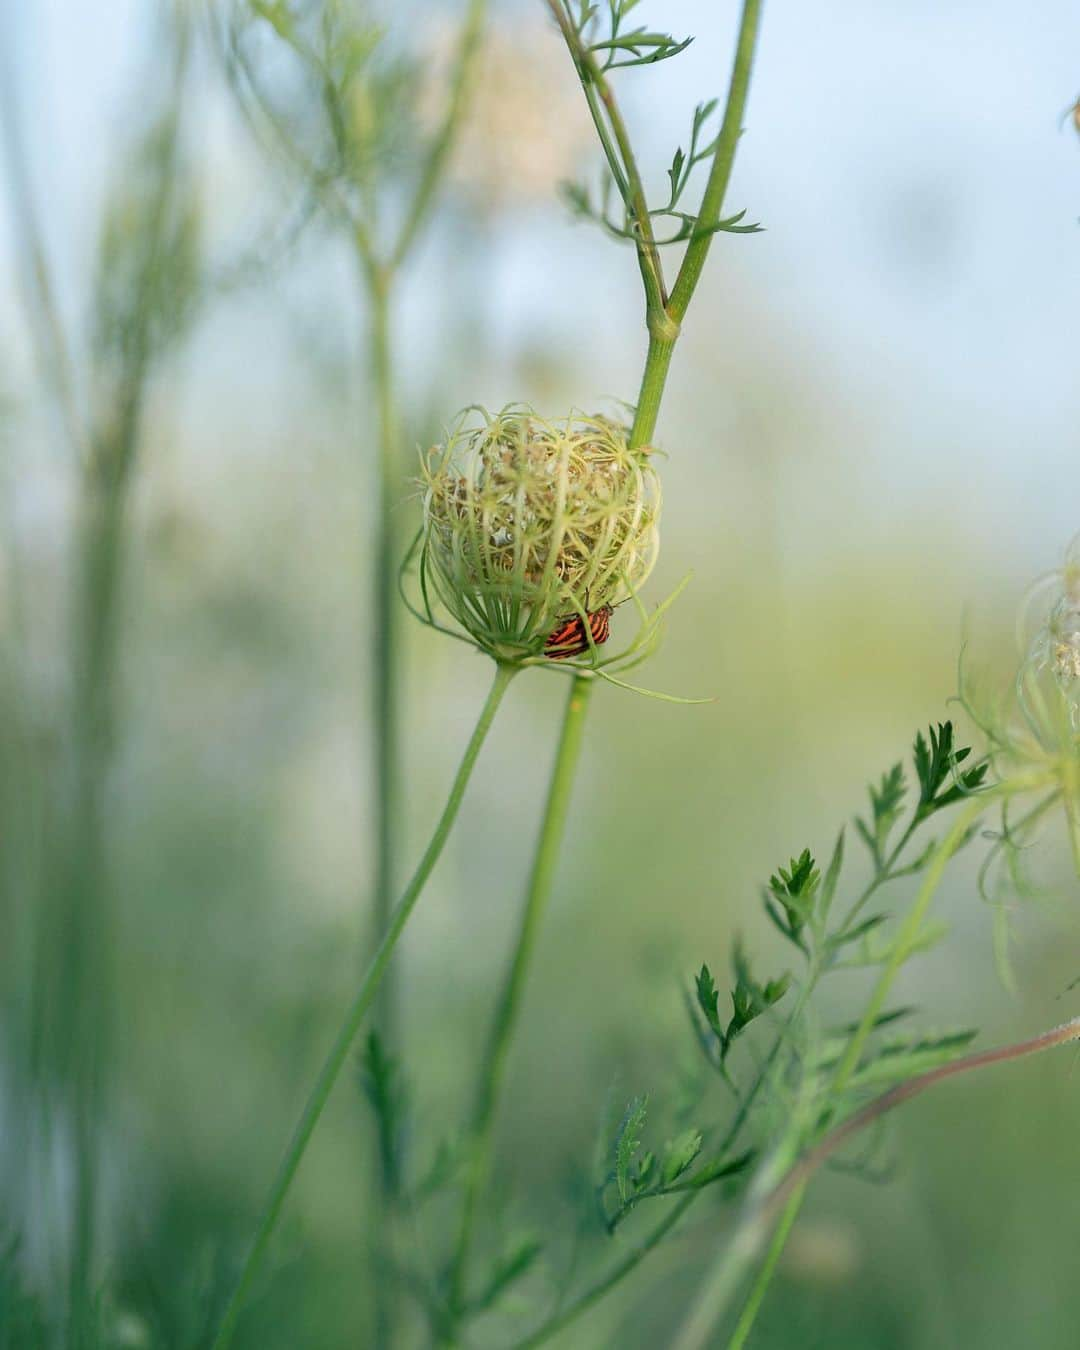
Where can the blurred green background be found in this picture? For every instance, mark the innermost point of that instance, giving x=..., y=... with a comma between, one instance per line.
x=873, y=423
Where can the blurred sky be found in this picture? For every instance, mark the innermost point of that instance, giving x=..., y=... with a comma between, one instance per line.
x=920, y=200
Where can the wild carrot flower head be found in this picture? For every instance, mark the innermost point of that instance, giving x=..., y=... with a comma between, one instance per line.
x=528, y=522
x=1033, y=737
x=1049, y=681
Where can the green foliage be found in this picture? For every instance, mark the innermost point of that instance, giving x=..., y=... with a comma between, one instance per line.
x=899, y=1058
x=627, y=1143
x=679, y=1154
x=808, y=1080
x=936, y=764
x=635, y=1175
x=621, y=47
x=749, y=1000
x=148, y=279
x=345, y=114
x=601, y=44
x=886, y=807
x=803, y=1085
x=791, y=895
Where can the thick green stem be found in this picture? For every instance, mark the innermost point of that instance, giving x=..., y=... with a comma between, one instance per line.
x=508, y=1008
x=723, y=162
x=386, y=687
x=385, y=710
x=664, y=324
x=653, y=380
x=359, y=1007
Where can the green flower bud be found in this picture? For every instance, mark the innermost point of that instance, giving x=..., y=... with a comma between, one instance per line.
x=528, y=522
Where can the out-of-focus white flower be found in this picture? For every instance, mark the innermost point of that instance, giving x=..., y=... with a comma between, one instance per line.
x=526, y=127
x=1054, y=649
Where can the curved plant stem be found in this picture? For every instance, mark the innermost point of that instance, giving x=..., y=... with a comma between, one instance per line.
x=335, y=1060
x=508, y=1009
x=786, y=1198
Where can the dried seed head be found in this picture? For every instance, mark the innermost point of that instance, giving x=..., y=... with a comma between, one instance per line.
x=1063, y=626
x=1054, y=653
x=528, y=521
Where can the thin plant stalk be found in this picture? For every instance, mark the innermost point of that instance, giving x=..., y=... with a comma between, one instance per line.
x=508, y=1008
x=378, y=278
x=386, y=686
x=358, y=1009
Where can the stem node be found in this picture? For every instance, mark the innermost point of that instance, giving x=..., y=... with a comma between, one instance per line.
x=662, y=327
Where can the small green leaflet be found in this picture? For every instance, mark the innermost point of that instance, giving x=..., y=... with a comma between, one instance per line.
x=935, y=763
x=627, y=1143
x=790, y=895
x=886, y=805
x=749, y=999
x=679, y=1154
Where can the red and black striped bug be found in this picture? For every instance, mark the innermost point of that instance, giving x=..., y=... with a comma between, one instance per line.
x=570, y=637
